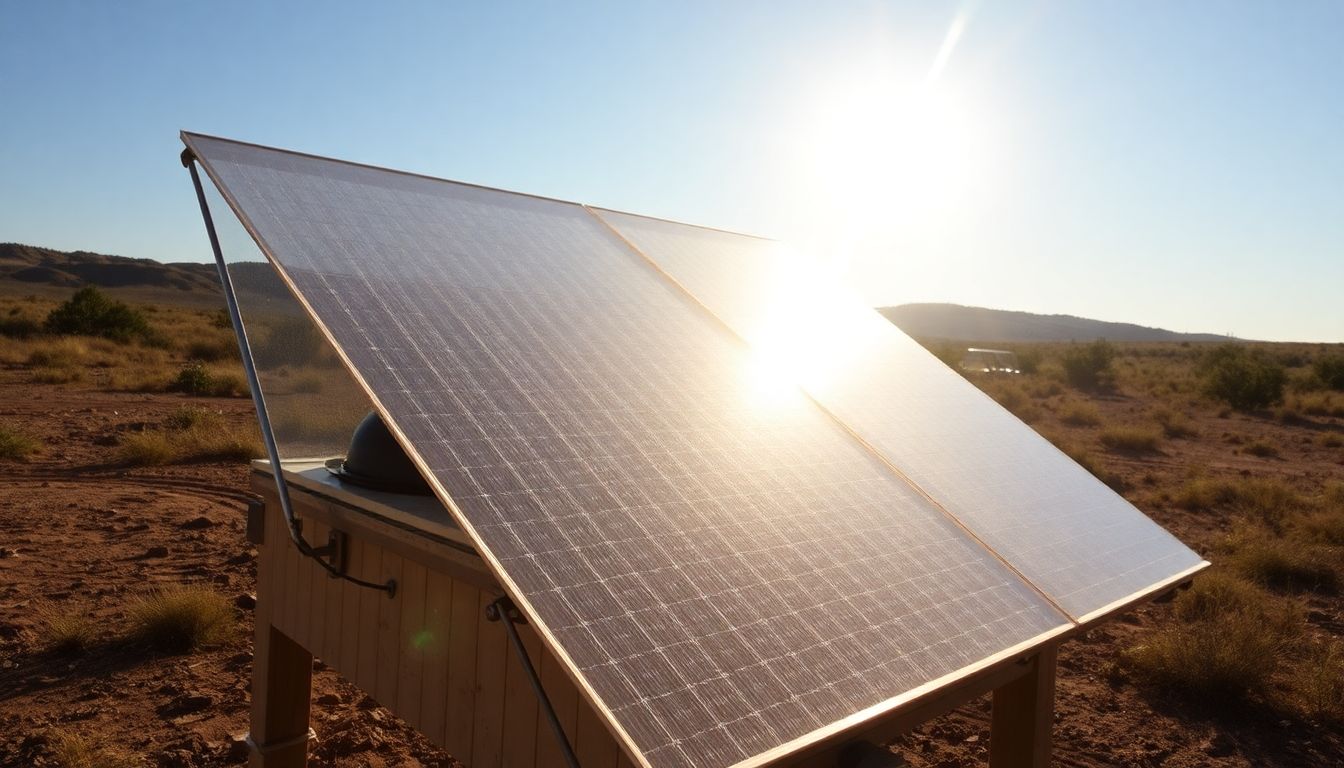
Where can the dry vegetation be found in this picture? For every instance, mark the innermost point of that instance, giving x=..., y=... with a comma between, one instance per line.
x=1229, y=440
x=182, y=619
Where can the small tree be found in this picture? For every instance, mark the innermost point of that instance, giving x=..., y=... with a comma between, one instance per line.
x=90, y=313
x=1089, y=366
x=1243, y=378
x=1330, y=370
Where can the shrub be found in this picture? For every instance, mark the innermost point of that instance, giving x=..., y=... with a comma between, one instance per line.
x=1321, y=680
x=1332, y=440
x=1284, y=565
x=90, y=313
x=212, y=350
x=1028, y=359
x=17, y=445
x=65, y=630
x=195, y=379
x=1329, y=369
x=1262, y=449
x=1227, y=642
x=1244, y=378
x=1089, y=366
x=1174, y=423
x=1081, y=415
x=1127, y=438
x=207, y=441
x=191, y=417
x=18, y=327
x=182, y=618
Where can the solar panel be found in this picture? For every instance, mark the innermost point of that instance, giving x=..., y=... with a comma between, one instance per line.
x=727, y=571
x=1067, y=532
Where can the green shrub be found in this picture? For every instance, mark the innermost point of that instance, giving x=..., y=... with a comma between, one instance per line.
x=90, y=313
x=16, y=445
x=1244, y=378
x=1329, y=369
x=195, y=379
x=1089, y=366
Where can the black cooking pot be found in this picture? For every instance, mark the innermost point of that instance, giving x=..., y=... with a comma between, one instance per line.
x=375, y=460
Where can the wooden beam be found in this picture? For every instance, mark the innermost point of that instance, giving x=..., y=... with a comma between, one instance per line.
x=1024, y=713
x=281, y=686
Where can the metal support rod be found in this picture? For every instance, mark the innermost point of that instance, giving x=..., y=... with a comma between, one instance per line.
x=504, y=610
x=254, y=384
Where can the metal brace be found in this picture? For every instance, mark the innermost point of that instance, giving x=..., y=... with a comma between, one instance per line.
x=504, y=610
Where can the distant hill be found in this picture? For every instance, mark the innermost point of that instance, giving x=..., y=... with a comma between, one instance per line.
x=960, y=323
x=31, y=269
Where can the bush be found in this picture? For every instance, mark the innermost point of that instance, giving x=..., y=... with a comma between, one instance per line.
x=193, y=435
x=1174, y=423
x=183, y=618
x=1136, y=439
x=1321, y=680
x=16, y=445
x=1244, y=378
x=1228, y=641
x=1262, y=449
x=1330, y=370
x=1081, y=415
x=195, y=379
x=1089, y=366
x=1028, y=360
x=18, y=327
x=90, y=313
x=1284, y=565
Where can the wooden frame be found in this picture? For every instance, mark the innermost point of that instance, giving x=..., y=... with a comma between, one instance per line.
x=428, y=653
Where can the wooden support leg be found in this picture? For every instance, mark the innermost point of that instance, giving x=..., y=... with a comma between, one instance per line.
x=282, y=676
x=1024, y=712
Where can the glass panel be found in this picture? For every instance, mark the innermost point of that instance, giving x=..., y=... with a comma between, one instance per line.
x=727, y=567
x=1072, y=536
x=313, y=401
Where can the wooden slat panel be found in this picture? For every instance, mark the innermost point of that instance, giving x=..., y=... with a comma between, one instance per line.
x=520, y=704
x=411, y=653
x=488, y=739
x=351, y=595
x=370, y=600
x=460, y=722
x=389, y=634
x=434, y=682
x=290, y=586
x=314, y=618
x=332, y=632
x=565, y=701
x=595, y=746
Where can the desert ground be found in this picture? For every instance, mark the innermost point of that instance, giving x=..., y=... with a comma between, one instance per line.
x=125, y=486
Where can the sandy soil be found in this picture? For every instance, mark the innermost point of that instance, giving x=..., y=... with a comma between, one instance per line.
x=76, y=529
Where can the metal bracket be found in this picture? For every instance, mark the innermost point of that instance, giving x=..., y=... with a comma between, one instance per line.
x=335, y=551
x=504, y=610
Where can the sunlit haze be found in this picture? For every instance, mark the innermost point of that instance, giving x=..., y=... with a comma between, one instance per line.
x=1169, y=165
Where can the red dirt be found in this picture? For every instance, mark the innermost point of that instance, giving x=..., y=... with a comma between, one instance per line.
x=78, y=530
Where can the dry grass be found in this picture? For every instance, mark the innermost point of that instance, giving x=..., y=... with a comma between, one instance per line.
x=71, y=750
x=65, y=628
x=1228, y=640
x=1282, y=564
x=1262, y=449
x=1321, y=680
x=1174, y=423
x=1265, y=500
x=191, y=434
x=17, y=445
x=1135, y=439
x=182, y=619
x=1080, y=415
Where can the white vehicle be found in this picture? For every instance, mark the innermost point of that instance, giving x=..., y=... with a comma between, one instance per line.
x=989, y=361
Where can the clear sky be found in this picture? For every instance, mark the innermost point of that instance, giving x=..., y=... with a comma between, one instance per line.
x=1177, y=164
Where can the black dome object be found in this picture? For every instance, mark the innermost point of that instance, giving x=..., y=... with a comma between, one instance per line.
x=375, y=460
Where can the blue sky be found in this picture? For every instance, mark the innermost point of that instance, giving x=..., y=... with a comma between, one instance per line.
x=1168, y=163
